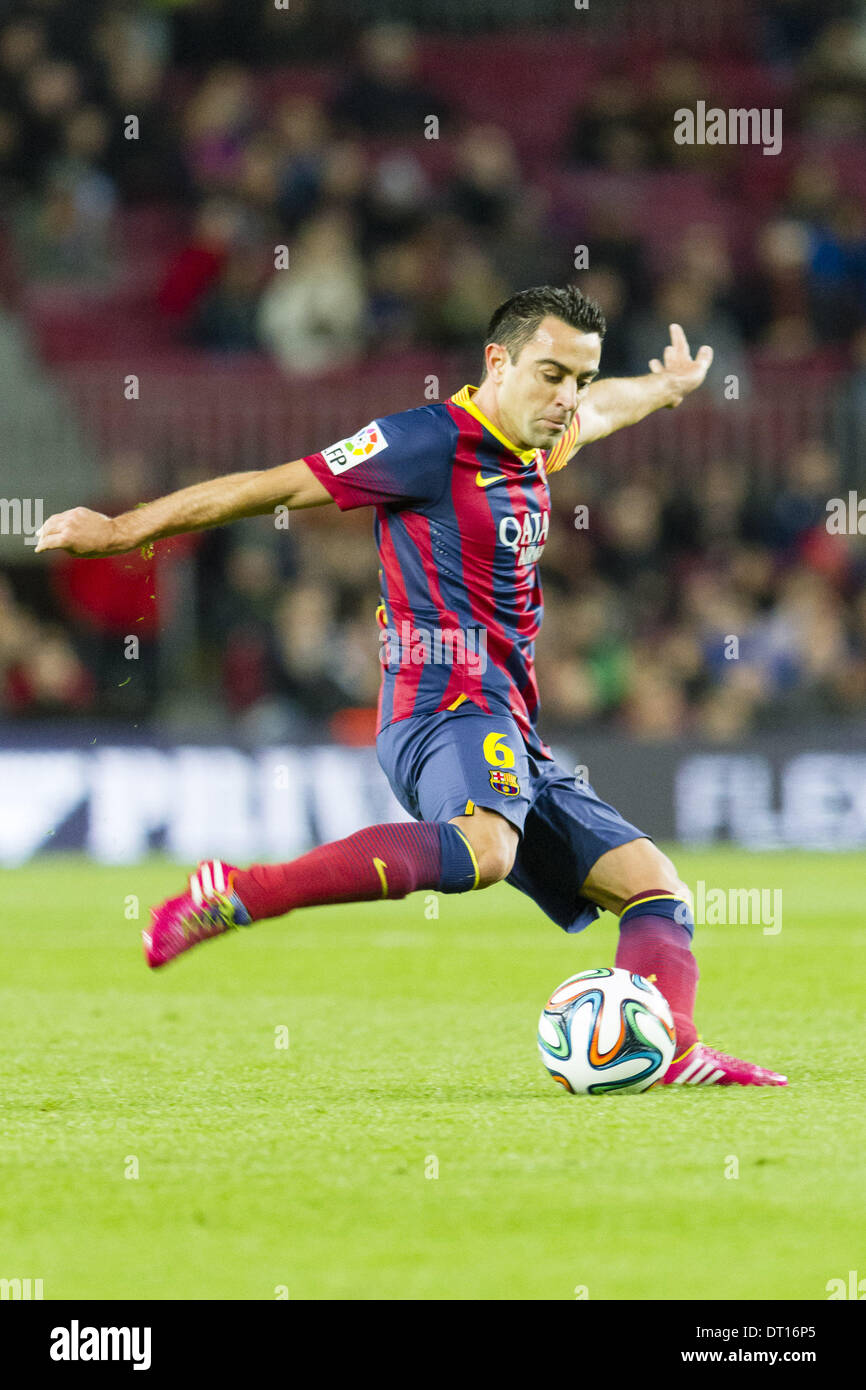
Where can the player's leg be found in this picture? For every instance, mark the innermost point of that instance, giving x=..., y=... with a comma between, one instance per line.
x=611, y=880
x=638, y=883
x=448, y=853
x=383, y=861
x=380, y=861
x=494, y=842
x=439, y=772
x=578, y=855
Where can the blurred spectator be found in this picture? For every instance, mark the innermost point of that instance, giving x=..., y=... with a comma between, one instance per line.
x=50, y=91
x=218, y=121
x=776, y=292
x=12, y=163
x=838, y=272
x=39, y=671
x=226, y=317
x=610, y=132
x=833, y=100
x=398, y=290
x=394, y=201
x=802, y=504
x=305, y=138
x=65, y=232
x=146, y=159
x=196, y=266
x=849, y=423
x=788, y=27
x=385, y=95
x=486, y=183
x=22, y=42
x=472, y=292
x=205, y=32
x=312, y=316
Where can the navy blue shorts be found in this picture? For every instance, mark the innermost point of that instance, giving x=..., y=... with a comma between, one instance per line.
x=442, y=765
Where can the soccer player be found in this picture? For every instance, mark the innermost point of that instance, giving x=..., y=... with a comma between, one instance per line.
x=462, y=508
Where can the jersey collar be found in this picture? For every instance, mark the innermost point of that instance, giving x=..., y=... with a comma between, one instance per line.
x=463, y=398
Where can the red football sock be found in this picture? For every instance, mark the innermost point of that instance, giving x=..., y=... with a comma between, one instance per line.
x=382, y=861
x=660, y=950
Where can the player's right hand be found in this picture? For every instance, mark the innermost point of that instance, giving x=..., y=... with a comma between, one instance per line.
x=79, y=531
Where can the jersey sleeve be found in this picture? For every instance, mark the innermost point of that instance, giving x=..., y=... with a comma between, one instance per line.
x=397, y=459
x=564, y=448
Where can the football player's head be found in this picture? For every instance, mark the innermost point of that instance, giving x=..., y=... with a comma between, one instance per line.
x=542, y=350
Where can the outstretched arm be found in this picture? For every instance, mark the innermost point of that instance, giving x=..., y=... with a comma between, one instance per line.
x=83, y=532
x=610, y=404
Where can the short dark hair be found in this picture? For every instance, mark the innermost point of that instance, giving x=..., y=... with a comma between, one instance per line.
x=515, y=321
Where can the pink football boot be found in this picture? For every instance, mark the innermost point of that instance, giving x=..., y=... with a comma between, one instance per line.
x=208, y=909
x=700, y=1065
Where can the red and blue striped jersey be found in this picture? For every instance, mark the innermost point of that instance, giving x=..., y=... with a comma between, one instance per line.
x=462, y=516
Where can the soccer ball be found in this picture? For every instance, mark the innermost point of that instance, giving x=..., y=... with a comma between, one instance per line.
x=606, y=1030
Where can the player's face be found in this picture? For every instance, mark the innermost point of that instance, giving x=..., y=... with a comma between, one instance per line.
x=539, y=393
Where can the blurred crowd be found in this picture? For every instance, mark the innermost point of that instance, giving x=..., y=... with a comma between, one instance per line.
x=402, y=219
x=711, y=611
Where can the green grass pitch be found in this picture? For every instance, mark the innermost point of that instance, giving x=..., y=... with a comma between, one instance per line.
x=407, y=1143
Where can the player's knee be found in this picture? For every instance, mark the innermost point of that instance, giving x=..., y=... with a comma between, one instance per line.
x=657, y=867
x=494, y=843
x=495, y=863
x=636, y=867
x=671, y=881
x=683, y=891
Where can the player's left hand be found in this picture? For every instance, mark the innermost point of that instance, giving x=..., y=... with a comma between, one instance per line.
x=684, y=373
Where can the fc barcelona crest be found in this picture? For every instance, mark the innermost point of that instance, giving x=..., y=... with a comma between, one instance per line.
x=504, y=782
